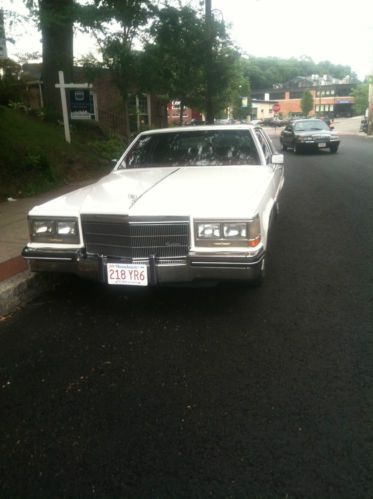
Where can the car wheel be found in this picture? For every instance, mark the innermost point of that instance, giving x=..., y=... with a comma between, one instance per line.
x=333, y=148
x=297, y=149
x=284, y=147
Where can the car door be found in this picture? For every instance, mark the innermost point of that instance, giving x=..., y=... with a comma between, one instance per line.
x=278, y=169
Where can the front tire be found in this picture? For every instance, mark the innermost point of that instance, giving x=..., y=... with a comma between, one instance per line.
x=333, y=148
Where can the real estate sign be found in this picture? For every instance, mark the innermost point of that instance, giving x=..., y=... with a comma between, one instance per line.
x=81, y=104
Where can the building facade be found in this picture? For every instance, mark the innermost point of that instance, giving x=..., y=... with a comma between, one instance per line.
x=331, y=97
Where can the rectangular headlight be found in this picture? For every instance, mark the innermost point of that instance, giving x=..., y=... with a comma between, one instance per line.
x=235, y=230
x=59, y=230
x=208, y=230
x=228, y=233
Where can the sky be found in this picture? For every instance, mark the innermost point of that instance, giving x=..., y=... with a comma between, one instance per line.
x=332, y=30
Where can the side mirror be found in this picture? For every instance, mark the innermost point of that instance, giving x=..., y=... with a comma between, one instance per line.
x=277, y=159
x=114, y=162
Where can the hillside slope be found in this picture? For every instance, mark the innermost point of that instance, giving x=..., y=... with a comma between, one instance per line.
x=34, y=156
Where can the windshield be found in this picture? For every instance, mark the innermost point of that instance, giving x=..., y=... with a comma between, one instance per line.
x=194, y=148
x=308, y=125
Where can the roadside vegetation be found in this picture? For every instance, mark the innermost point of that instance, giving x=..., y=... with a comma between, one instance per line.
x=34, y=156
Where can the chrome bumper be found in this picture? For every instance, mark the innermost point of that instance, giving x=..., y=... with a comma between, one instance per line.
x=195, y=267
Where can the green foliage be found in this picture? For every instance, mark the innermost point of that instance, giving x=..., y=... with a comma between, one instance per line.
x=306, y=103
x=11, y=87
x=264, y=72
x=361, y=94
x=183, y=54
x=34, y=156
x=240, y=89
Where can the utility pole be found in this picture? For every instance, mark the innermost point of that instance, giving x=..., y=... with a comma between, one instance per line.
x=370, y=103
x=370, y=107
x=3, y=52
x=209, y=104
x=370, y=99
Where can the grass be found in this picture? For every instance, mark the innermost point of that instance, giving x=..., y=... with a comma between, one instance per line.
x=34, y=156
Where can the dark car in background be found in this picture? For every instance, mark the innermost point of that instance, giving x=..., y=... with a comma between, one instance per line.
x=309, y=134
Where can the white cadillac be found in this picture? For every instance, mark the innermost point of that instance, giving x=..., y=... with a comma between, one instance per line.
x=181, y=205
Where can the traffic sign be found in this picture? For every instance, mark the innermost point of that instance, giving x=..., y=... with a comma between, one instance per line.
x=276, y=107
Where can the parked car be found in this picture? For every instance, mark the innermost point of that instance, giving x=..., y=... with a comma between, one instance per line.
x=312, y=133
x=256, y=122
x=182, y=204
x=275, y=122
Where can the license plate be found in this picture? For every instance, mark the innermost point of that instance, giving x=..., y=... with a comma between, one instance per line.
x=322, y=144
x=129, y=274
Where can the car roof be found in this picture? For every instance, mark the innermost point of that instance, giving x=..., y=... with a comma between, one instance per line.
x=202, y=128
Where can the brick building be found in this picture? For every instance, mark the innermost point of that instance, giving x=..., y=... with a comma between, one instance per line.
x=331, y=97
x=142, y=110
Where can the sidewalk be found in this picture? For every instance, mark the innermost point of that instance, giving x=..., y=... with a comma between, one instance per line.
x=17, y=284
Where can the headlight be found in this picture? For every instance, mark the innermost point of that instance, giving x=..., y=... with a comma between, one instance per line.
x=235, y=230
x=54, y=230
x=228, y=233
x=208, y=230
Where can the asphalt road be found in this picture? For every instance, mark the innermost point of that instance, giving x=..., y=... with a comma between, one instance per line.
x=224, y=392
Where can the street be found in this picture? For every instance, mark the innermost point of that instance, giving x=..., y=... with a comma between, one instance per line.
x=226, y=391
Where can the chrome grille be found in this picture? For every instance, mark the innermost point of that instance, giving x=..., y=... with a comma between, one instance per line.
x=133, y=238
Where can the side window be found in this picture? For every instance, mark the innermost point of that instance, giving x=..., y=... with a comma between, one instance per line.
x=265, y=146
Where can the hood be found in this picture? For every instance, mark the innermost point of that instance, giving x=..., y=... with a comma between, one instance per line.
x=226, y=191
x=317, y=133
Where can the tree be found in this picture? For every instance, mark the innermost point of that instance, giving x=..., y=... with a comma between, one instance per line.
x=56, y=19
x=265, y=72
x=361, y=95
x=307, y=102
x=180, y=54
x=11, y=85
x=131, y=18
x=171, y=60
x=241, y=88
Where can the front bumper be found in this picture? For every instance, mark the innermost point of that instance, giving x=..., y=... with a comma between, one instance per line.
x=195, y=267
x=318, y=143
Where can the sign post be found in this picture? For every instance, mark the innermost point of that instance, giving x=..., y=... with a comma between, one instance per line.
x=63, y=86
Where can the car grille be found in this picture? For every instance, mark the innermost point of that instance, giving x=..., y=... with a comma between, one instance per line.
x=136, y=238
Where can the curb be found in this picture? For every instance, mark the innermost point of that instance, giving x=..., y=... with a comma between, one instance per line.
x=11, y=267
x=22, y=288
